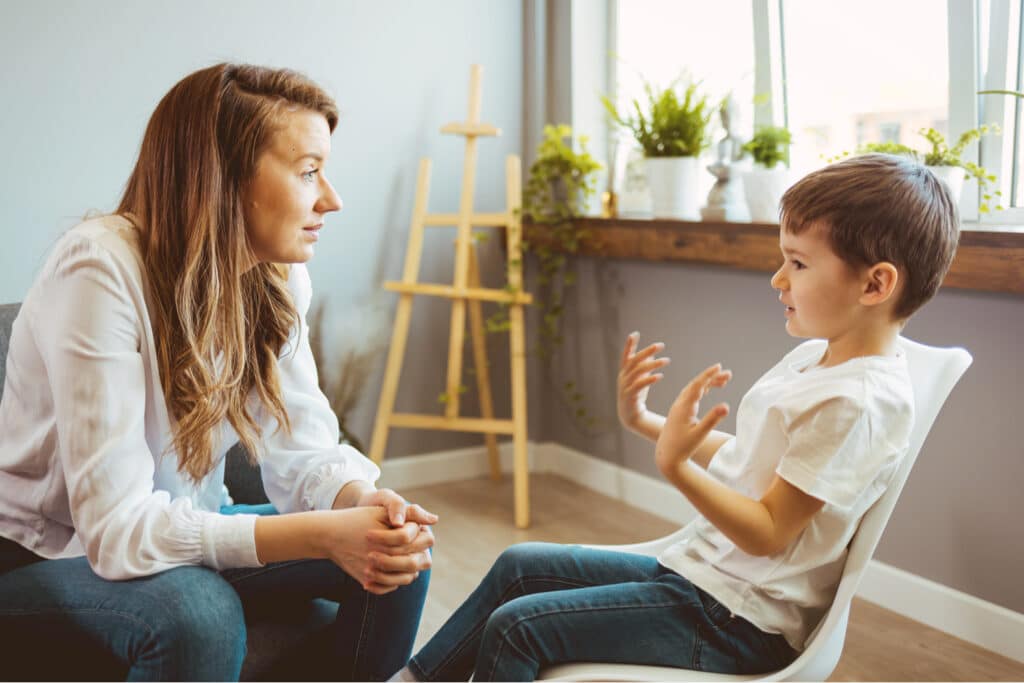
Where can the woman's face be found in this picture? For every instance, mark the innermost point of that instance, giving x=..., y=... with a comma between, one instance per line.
x=289, y=195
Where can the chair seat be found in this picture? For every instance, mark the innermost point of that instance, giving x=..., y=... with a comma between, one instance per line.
x=588, y=671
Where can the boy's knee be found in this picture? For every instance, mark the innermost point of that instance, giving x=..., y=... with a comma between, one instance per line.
x=521, y=558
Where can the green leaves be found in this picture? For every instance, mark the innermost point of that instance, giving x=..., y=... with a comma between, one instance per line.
x=941, y=154
x=670, y=127
x=770, y=145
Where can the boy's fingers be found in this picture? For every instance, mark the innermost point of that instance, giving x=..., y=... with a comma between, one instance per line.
x=627, y=350
x=648, y=352
x=708, y=422
x=645, y=368
x=643, y=383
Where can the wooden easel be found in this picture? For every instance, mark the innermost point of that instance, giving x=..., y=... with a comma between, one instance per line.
x=465, y=290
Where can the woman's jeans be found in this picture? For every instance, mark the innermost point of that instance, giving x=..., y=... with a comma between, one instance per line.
x=58, y=619
x=543, y=604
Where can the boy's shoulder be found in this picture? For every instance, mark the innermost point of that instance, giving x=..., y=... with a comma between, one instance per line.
x=878, y=385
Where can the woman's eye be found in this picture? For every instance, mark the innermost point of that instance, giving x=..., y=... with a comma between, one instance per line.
x=310, y=176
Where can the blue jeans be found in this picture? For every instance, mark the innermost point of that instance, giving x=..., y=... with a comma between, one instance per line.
x=58, y=619
x=543, y=604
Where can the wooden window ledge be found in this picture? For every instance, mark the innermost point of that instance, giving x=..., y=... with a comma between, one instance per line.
x=988, y=259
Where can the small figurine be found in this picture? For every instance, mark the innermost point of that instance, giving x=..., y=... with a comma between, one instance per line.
x=725, y=200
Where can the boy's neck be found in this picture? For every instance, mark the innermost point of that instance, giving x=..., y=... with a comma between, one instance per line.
x=878, y=340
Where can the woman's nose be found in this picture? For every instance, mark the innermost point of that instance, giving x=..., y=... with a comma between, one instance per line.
x=329, y=199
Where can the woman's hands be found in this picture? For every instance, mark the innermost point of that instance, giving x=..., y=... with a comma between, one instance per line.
x=398, y=509
x=397, y=536
x=380, y=557
x=683, y=433
x=636, y=375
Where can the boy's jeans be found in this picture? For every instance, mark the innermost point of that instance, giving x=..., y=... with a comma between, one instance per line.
x=543, y=604
x=58, y=619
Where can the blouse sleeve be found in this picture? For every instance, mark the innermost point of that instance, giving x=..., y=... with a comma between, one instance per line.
x=90, y=341
x=304, y=470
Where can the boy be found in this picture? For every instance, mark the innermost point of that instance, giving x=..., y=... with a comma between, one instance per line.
x=866, y=242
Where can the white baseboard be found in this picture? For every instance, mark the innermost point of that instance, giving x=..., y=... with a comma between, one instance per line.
x=977, y=621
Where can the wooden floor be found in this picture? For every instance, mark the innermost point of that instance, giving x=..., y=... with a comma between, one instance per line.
x=476, y=525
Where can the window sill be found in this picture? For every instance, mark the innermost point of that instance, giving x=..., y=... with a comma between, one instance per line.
x=990, y=258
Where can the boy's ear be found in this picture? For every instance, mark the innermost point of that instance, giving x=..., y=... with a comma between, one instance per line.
x=880, y=283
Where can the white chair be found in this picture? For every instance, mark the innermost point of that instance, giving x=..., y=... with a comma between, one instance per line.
x=933, y=372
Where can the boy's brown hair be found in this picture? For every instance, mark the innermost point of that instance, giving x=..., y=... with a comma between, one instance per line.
x=879, y=207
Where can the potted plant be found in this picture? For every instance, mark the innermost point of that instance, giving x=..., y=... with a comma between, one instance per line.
x=945, y=161
x=672, y=132
x=558, y=185
x=764, y=184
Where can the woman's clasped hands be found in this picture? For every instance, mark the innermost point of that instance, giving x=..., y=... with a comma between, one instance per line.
x=382, y=541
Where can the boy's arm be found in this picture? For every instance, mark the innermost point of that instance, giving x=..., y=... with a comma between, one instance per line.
x=651, y=424
x=637, y=372
x=758, y=527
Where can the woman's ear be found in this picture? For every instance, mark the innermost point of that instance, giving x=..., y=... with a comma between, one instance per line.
x=880, y=284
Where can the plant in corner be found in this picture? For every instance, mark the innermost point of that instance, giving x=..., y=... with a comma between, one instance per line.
x=947, y=162
x=672, y=132
x=558, y=185
x=764, y=184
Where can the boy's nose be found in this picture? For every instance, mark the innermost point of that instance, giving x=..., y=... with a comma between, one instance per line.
x=778, y=281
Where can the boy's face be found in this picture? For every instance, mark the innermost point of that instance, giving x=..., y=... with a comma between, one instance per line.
x=821, y=292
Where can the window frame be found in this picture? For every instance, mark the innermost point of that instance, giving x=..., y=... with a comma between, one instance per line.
x=966, y=107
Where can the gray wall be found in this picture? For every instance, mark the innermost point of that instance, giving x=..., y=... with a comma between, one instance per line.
x=80, y=79
x=957, y=520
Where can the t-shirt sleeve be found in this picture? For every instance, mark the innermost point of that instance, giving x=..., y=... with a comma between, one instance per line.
x=832, y=453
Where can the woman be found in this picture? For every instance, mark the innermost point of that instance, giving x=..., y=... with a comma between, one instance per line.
x=154, y=339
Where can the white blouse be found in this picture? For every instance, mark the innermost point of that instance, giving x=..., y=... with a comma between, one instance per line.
x=87, y=465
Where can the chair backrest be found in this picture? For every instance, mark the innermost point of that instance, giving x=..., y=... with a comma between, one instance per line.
x=933, y=373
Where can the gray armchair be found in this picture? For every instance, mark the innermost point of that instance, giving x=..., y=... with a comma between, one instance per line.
x=271, y=637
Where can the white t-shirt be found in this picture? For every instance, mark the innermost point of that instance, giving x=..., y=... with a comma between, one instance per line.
x=836, y=433
x=86, y=459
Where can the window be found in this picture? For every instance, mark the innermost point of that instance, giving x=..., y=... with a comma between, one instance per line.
x=868, y=71
x=844, y=72
x=659, y=40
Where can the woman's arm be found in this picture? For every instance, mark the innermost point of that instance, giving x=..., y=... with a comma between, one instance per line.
x=90, y=341
x=308, y=469
x=360, y=540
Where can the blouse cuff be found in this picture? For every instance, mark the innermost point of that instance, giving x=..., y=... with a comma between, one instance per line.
x=329, y=478
x=229, y=541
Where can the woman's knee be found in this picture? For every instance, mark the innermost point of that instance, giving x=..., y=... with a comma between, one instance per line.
x=199, y=612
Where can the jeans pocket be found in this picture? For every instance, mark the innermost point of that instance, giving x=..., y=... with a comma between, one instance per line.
x=718, y=614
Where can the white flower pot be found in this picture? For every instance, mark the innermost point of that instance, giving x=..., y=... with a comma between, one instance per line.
x=763, y=188
x=953, y=176
x=673, y=183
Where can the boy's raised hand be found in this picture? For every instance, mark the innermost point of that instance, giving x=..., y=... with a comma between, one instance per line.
x=683, y=433
x=636, y=375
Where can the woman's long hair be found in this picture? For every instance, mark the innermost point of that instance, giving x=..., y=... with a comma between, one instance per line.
x=219, y=324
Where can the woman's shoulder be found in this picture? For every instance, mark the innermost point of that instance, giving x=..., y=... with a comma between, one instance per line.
x=108, y=241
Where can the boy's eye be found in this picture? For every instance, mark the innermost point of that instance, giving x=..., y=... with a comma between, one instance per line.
x=798, y=264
